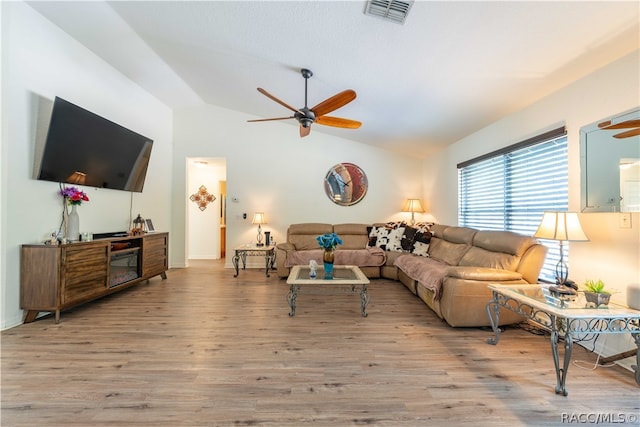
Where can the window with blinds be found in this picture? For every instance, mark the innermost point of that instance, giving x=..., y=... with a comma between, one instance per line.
x=510, y=189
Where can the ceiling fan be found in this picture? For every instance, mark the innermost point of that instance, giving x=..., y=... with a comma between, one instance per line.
x=307, y=116
x=633, y=124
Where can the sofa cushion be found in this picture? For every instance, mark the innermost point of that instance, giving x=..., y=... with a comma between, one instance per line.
x=354, y=236
x=426, y=271
x=497, y=249
x=303, y=236
x=478, y=257
x=446, y=251
x=503, y=241
x=459, y=234
x=391, y=257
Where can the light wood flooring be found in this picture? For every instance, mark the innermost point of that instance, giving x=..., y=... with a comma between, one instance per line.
x=203, y=348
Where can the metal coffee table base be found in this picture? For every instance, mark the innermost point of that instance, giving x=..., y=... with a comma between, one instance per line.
x=364, y=296
x=346, y=280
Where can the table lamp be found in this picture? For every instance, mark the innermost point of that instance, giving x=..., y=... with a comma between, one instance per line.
x=413, y=206
x=259, y=218
x=561, y=226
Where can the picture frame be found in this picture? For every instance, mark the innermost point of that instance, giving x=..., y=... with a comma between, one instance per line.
x=150, y=228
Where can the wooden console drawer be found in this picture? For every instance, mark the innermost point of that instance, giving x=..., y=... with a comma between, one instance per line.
x=155, y=259
x=85, y=272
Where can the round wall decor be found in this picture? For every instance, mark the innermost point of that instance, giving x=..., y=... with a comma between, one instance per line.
x=345, y=184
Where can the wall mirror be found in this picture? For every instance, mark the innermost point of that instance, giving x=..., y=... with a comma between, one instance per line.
x=610, y=164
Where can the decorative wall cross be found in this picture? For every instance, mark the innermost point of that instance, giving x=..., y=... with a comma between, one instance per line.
x=202, y=198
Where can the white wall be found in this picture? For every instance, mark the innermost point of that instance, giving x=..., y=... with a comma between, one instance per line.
x=39, y=61
x=271, y=169
x=613, y=253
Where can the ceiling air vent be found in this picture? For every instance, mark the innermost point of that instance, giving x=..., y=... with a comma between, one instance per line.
x=391, y=10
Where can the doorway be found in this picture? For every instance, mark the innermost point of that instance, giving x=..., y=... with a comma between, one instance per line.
x=206, y=208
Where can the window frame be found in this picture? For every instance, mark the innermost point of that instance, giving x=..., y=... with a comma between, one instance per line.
x=519, y=199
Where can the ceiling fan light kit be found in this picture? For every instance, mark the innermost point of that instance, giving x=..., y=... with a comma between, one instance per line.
x=307, y=116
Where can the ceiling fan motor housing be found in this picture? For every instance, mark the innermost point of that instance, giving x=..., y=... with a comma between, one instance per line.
x=305, y=117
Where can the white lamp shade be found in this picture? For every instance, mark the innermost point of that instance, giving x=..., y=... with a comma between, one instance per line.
x=413, y=205
x=560, y=226
x=259, y=218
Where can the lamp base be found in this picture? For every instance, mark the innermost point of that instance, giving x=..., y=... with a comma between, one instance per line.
x=259, y=244
x=561, y=290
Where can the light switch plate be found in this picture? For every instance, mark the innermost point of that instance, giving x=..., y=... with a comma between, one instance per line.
x=625, y=219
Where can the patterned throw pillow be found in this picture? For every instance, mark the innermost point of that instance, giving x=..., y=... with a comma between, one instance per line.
x=421, y=243
x=407, y=238
x=386, y=236
x=416, y=239
x=379, y=236
x=395, y=239
x=395, y=224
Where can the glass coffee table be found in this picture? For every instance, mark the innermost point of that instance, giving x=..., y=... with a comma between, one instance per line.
x=565, y=318
x=346, y=279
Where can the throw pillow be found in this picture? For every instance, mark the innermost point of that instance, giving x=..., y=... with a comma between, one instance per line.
x=372, y=237
x=407, y=238
x=395, y=224
x=421, y=249
x=379, y=236
x=421, y=242
x=395, y=239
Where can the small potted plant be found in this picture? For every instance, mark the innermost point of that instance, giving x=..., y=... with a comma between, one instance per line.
x=595, y=292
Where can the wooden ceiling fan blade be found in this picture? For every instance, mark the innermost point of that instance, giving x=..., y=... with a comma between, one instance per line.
x=304, y=131
x=336, y=101
x=268, y=120
x=273, y=98
x=338, y=122
x=633, y=123
x=627, y=134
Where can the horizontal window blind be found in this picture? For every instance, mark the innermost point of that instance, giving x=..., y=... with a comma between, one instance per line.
x=511, y=189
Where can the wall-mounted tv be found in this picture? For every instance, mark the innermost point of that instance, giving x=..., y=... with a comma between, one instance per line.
x=86, y=149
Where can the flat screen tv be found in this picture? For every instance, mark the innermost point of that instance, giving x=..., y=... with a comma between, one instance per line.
x=86, y=149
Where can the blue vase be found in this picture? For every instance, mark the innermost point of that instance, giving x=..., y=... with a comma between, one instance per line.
x=328, y=270
x=327, y=261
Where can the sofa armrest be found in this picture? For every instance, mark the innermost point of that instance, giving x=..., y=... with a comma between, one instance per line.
x=465, y=294
x=286, y=246
x=482, y=274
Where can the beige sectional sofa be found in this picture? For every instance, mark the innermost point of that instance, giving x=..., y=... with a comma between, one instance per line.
x=450, y=273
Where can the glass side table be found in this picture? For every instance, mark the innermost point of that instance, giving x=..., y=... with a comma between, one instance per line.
x=564, y=318
x=242, y=252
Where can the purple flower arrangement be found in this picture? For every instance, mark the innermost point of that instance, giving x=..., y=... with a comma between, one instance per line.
x=73, y=196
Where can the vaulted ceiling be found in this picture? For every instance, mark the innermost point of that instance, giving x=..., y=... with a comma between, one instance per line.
x=452, y=68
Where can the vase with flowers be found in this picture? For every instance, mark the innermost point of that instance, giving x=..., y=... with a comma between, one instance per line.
x=74, y=198
x=328, y=242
